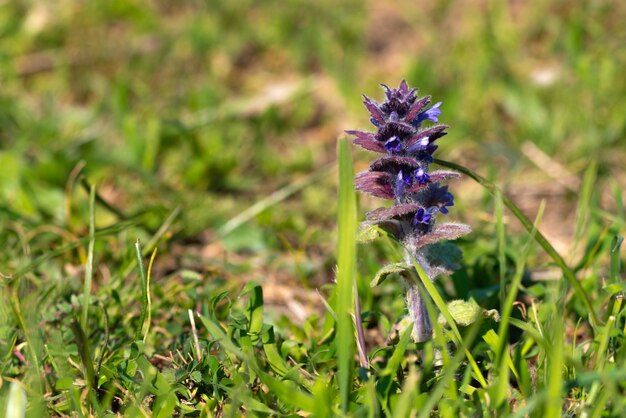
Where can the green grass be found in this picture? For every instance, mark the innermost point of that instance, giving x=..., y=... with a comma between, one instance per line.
x=178, y=224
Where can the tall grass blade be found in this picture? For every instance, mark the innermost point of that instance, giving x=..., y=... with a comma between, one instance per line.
x=554, y=366
x=501, y=248
x=406, y=401
x=584, y=200
x=616, y=263
x=152, y=242
x=89, y=264
x=503, y=360
x=346, y=268
x=398, y=353
x=148, y=298
x=84, y=352
x=162, y=229
x=28, y=337
x=501, y=370
x=145, y=297
x=545, y=244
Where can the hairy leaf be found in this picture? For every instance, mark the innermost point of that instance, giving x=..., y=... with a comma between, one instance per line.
x=402, y=269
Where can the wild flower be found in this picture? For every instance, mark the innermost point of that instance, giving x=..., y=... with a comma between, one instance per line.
x=402, y=174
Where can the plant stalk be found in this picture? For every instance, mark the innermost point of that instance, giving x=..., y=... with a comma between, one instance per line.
x=418, y=314
x=416, y=305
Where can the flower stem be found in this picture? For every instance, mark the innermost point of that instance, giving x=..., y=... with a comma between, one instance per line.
x=416, y=304
x=418, y=313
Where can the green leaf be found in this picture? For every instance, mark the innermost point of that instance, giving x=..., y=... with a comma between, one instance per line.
x=402, y=269
x=467, y=389
x=254, y=405
x=165, y=404
x=614, y=288
x=254, y=309
x=274, y=358
x=367, y=233
x=463, y=312
x=64, y=383
x=131, y=368
x=444, y=255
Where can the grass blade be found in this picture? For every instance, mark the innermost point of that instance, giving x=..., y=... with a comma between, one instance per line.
x=554, y=367
x=148, y=299
x=398, y=353
x=616, y=266
x=85, y=353
x=528, y=225
x=407, y=397
x=28, y=337
x=501, y=248
x=89, y=264
x=274, y=198
x=501, y=370
x=584, y=201
x=502, y=357
x=346, y=267
x=146, y=303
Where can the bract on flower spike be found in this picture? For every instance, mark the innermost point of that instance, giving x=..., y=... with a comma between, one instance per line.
x=402, y=175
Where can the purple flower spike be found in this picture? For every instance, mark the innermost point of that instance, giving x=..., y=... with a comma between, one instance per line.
x=401, y=175
x=393, y=144
x=431, y=114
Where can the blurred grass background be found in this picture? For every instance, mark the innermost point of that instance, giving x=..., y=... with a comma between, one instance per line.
x=212, y=106
x=215, y=105
x=186, y=114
